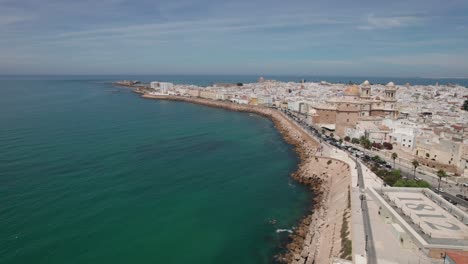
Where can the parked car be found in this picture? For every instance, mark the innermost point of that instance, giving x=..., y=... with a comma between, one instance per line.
x=465, y=184
x=450, y=200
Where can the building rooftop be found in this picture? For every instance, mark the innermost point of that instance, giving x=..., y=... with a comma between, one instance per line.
x=432, y=221
x=352, y=90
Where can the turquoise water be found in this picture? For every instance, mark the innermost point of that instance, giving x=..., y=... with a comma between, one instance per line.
x=90, y=173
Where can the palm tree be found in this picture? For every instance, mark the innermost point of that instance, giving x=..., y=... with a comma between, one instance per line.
x=394, y=156
x=441, y=174
x=415, y=165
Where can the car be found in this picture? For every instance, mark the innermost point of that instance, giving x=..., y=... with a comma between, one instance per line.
x=465, y=184
x=460, y=196
x=450, y=200
x=417, y=179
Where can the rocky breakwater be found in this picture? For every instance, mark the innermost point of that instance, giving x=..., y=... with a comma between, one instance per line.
x=319, y=237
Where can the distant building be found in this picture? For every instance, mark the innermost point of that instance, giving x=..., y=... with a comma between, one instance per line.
x=207, y=94
x=164, y=87
x=355, y=104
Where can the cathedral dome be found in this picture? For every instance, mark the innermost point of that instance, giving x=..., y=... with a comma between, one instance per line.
x=352, y=90
x=390, y=85
x=365, y=84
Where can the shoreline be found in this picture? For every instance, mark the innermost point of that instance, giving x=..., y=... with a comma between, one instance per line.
x=312, y=171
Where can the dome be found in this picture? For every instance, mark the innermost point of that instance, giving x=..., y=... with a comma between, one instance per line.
x=366, y=84
x=390, y=85
x=352, y=90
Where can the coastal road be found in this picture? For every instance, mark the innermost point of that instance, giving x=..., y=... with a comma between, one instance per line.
x=370, y=249
x=369, y=240
x=407, y=170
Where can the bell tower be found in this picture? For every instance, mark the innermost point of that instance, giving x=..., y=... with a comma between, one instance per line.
x=390, y=91
x=365, y=90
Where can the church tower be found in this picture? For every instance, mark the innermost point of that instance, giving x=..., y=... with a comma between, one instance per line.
x=365, y=90
x=390, y=91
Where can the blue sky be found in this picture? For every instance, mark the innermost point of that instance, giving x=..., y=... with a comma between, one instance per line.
x=420, y=38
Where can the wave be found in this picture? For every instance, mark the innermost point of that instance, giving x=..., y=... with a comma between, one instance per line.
x=284, y=230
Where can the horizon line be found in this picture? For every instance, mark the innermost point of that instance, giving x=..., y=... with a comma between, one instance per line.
x=226, y=74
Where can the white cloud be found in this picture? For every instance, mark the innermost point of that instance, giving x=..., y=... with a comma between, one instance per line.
x=383, y=22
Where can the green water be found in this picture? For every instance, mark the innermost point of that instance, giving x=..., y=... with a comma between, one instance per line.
x=90, y=173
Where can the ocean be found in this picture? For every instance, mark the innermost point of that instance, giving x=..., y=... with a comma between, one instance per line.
x=205, y=80
x=91, y=173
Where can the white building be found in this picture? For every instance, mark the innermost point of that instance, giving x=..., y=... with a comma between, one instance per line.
x=162, y=86
x=403, y=133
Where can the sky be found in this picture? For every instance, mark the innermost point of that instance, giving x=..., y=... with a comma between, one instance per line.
x=411, y=38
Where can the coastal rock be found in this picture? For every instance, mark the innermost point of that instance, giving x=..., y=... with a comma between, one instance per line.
x=305, y=252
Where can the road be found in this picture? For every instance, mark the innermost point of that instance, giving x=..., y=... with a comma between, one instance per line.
x=408, y=171
x=370, y=249
x=448, y=189
x=327, y=148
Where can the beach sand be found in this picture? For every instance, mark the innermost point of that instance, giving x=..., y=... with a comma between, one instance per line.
x=318, y=238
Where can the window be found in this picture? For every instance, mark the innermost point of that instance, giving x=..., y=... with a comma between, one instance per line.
x=347, y=120
x=403, y=145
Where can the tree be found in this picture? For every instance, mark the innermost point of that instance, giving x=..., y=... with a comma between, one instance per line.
x=465, y=105
x=387, y=145
x=365, y=142
x=376, y=159
x=347, y=139
x=411, y=183
x=355, y=140
x=390, y=177
x=441, y=174
x=341, y=141
x=415, y=165
x=332, y=135
x=376, y=145
x=394, y=156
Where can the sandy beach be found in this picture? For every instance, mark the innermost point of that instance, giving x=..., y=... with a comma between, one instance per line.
x=323, y=235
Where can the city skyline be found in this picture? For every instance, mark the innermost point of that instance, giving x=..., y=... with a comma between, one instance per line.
x=400, y=39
